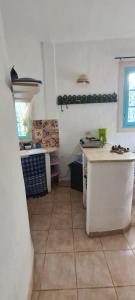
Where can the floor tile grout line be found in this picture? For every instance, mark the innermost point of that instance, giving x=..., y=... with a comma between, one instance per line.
x=101, y=244
x=110, y=274
x=130, y=248
x=108, y=266
x=42, y=272
x=45, y=253
x=74, y=248
x=93, y=250
x=75, y=262
x=51, y=217
x=133, y=250
x=115, y=250
x=76, y=273
x=80, y=251
x=83, y=288
x=116, y=292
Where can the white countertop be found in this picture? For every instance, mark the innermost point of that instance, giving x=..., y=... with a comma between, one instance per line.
x=24, y=153
x=104, y=154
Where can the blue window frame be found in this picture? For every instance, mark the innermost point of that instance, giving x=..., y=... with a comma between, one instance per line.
x=129, y=97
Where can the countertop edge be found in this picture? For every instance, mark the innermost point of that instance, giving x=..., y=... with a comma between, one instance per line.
x=25, y=153
x=100, y=155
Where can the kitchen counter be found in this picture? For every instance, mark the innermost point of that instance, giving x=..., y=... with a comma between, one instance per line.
x=104, y=154
x=107, y=190
x=24, y=153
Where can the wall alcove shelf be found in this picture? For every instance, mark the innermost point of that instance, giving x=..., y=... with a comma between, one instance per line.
x=86, y=99
x=24, y=91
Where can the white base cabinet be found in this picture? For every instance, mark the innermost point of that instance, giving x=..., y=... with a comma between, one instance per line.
x=107, y=193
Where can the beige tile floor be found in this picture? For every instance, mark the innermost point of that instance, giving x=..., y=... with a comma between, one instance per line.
x=68, y=264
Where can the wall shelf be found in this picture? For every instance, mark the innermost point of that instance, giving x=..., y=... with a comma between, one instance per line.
x=25, y=91
x=54, y=174
x=54, y=162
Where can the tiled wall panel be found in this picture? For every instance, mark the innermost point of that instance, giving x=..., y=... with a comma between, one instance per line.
x=45, y=132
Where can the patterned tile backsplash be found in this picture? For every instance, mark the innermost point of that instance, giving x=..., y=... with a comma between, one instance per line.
x=45, y=132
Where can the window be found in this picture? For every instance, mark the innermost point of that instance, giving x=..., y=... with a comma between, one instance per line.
x=127, y=96
x=23, y=120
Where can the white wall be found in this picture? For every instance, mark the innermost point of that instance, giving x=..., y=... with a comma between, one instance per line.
x=59, y=65
x=16, y=251
x=72, y=20
x=95, y=58
x=50, y=87
x=25, y=54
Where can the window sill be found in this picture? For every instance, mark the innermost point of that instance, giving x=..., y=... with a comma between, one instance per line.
x=121, y=129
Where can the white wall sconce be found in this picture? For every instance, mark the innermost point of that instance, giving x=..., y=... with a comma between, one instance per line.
x=83, y=78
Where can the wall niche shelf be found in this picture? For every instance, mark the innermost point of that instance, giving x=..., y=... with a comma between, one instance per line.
x=86, y=99
x=24, y=91
x=54, y=162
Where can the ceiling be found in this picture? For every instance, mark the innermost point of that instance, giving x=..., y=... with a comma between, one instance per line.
x=69, y=20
